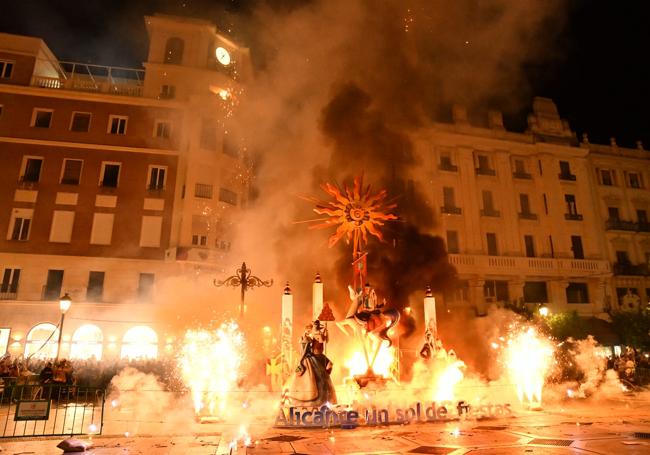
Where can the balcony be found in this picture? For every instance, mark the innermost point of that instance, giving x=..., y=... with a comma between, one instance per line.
x=573, y=216
x=202, y=255
x=451, y=210
x=522, y=175
x=567, y=176
x=490, y=212
x=448, y=167
x=93, y=78
x=527, y=216
x=519, y=265
x=621, y=268
x=485, y=171
x=9, y=295
x=613, y=224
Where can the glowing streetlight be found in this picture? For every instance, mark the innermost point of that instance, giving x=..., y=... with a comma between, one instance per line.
x=64, y=305
x=543, y=311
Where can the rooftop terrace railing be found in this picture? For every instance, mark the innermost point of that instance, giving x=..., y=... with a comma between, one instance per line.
x=86, y=77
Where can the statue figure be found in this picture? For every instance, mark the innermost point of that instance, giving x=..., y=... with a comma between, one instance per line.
x=373, y=317
x=311, y=384
x=429, y=348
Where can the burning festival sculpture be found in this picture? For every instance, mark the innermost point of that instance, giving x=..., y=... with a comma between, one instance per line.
x=356, y=212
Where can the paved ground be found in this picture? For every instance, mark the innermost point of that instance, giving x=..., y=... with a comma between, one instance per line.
x=611, y=427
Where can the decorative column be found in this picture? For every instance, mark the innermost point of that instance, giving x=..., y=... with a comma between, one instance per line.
x=286, y=340
x=430, y=319
x=516, y=290
x=477, y=295
x=317, y=297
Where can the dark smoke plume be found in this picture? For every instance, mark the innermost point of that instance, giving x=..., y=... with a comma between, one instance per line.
x=364, y=143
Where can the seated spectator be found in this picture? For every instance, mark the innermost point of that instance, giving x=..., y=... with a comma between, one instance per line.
x=46, y=376
x=59, y=372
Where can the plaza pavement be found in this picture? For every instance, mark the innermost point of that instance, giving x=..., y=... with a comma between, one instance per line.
x=590, y=428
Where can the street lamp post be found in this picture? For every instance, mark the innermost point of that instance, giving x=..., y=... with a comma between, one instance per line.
x=244, y=280
x=64, y=305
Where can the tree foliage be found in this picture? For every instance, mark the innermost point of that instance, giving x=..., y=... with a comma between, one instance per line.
x=567, y=324
x=633, y=327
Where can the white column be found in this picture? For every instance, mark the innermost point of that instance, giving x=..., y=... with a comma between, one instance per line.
x=317, y=297
x=430, y=320
x=286, y=339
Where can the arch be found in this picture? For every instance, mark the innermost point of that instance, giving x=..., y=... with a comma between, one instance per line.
x=87, y=342
x=140, y=342
x=174, y=50
x=41, y=341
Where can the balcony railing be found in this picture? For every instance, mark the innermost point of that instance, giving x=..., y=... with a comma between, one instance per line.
x=451, y=210
x=522, y=175
x=481, y=264
x=567, y=176
x=527, y=216
x=490, y=212
x=9, y=295
x=620, y=225
x=573, y=216
x=94, y=78
x=643, y=226
x=448, y=167
x=627, y=269
x=485, y=171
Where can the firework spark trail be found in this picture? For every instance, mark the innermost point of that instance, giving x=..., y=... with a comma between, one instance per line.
x=210, y=364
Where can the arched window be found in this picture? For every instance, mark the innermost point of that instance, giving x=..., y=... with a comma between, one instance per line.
x=87, y=342
x=174, y=50
x=140, y=342
x=42, y=341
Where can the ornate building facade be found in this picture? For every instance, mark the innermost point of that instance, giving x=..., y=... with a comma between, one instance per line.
x=537, y=217
x=113, y=179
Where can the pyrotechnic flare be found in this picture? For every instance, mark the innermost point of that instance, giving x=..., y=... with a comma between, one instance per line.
x=528, y=357
x=211, y=363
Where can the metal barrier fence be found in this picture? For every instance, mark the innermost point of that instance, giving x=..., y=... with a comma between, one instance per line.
x=49, y=410
x=642, y=376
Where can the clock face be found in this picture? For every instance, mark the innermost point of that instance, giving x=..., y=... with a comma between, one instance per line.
x=223, y=56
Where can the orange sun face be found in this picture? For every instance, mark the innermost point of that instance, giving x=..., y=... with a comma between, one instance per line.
x=355, y=211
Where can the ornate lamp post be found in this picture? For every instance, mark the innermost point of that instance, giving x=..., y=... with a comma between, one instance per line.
x=64, y=305
x=244, y=280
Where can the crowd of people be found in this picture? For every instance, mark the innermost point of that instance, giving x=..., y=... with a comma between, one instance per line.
x=82, y=372
x=631, y=366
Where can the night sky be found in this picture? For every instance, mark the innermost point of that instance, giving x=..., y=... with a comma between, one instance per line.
x=596, y=69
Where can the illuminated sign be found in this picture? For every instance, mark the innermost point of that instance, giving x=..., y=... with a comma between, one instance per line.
x=326, y=416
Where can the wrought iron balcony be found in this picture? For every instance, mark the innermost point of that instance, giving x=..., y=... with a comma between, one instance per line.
x=527, y=216
x=451, y=210
x=9, y=295
x=448, y=167
x=567, y=176
x=614, y=224
x=490, y=212
x=485, y=171
x=522, y=175
x=573, y=216
x=622, y=268
x=643, y=226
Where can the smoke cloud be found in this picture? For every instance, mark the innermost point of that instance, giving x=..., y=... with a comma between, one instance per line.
x=345, y=88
